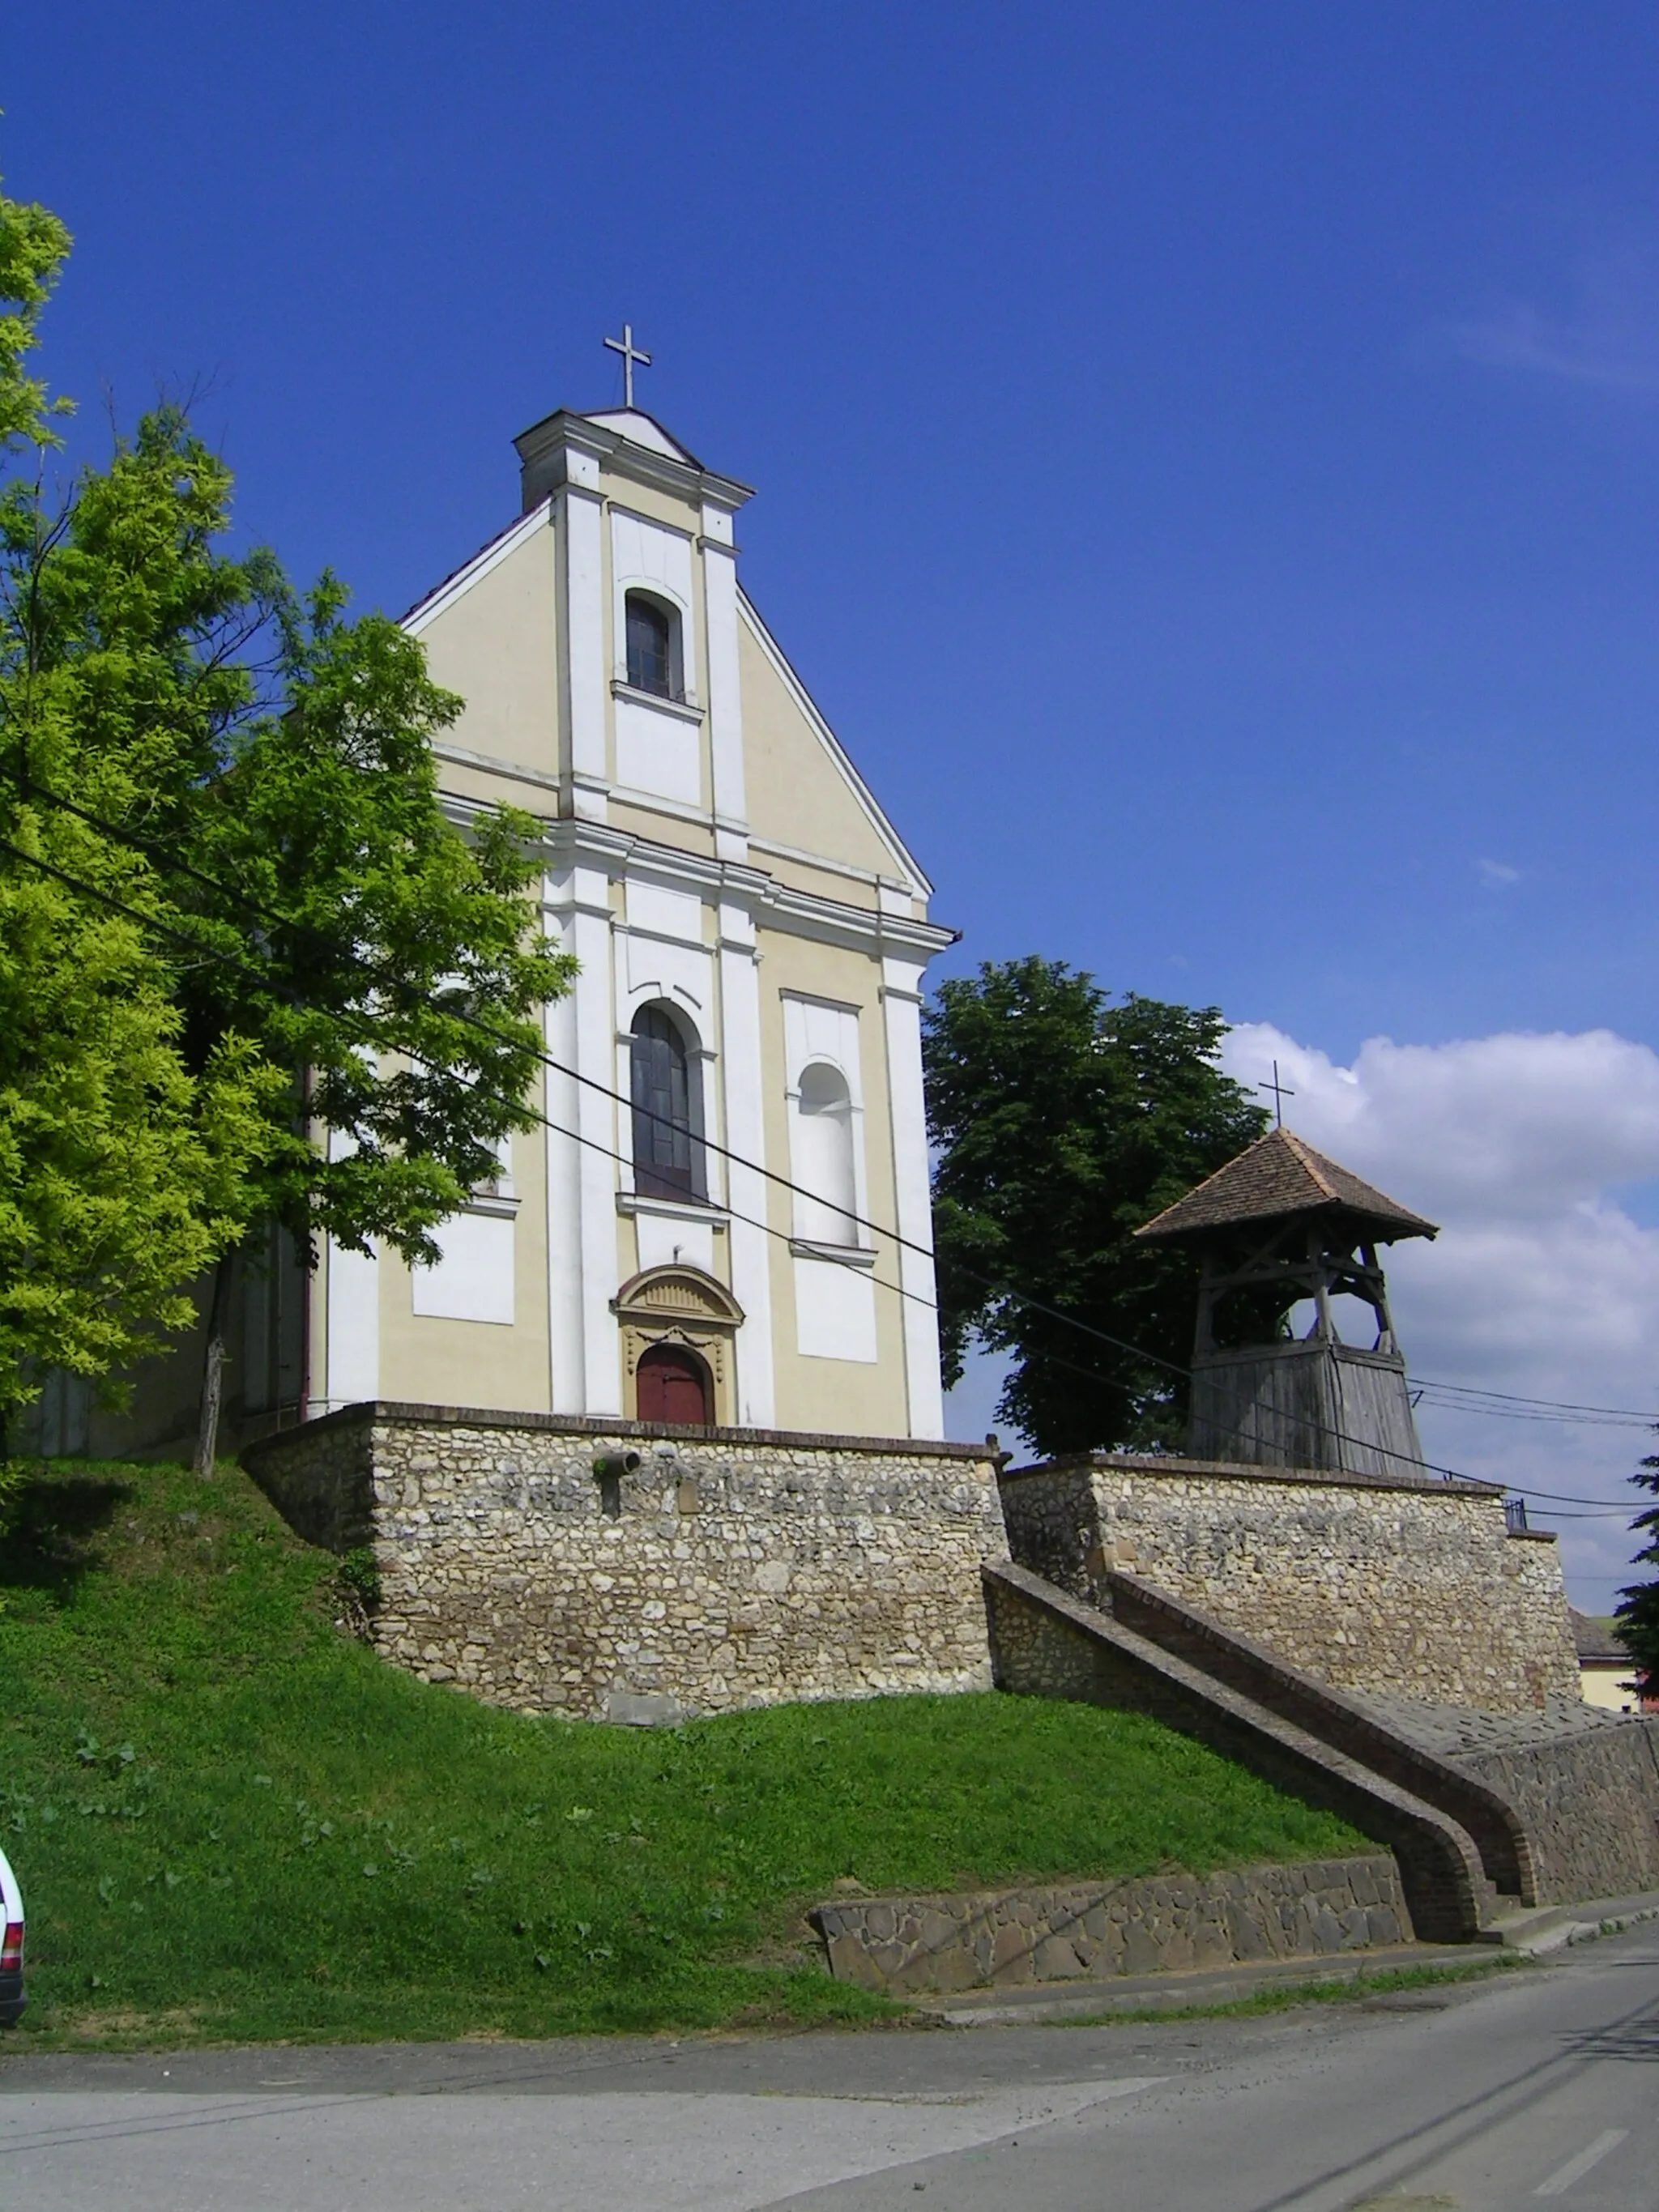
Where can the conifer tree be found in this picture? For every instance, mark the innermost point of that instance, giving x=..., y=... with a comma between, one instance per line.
x=1637, y=1616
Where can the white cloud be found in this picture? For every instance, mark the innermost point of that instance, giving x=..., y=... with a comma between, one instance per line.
x=1495, y=874
x=1609, y=336
x=1541, y=1282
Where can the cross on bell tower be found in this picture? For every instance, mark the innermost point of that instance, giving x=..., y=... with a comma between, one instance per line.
x=631, y=353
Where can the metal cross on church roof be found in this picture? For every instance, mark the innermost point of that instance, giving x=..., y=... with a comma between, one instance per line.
x=1281, y=1091
x=631, y=353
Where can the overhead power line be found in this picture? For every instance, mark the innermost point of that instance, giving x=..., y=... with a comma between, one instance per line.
x=170, y=862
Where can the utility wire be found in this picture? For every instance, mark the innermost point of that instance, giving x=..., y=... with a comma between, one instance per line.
x=208, y=952
x=255, y=907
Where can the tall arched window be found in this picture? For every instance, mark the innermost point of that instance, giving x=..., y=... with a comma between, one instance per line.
x=823, y=1157
x=667, y=1156
x=653, y=647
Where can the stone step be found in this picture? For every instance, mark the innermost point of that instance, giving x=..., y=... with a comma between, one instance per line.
x=1548, y=1928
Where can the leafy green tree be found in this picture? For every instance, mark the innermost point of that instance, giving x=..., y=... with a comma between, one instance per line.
x=124, y=1161
x=389, y=962
x=347, y=982
x=1062, y=1122
x=1637, y=1616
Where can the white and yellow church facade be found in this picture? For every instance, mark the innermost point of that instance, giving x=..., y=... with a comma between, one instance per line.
x=751, y=935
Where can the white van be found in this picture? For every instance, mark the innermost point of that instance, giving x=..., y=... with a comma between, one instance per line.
x=12, y=1999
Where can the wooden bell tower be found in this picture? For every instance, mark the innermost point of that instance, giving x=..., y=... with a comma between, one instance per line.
x=1278, y=1227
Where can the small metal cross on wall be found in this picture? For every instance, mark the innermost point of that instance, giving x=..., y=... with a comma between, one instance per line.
x=1281, y=1091
x=631, y=353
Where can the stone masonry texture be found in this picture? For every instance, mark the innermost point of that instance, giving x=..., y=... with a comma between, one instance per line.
x=1584, y=1785
x=1158, y=1924
x=1046, y=1642
x=731, y=1568
x=1395, y=1585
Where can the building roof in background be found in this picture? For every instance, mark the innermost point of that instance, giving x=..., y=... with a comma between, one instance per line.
x=1279, y=1178
x=1599, y=1641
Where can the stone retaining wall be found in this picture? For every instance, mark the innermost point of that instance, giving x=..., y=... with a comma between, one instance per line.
x=1591, y=1803
x=1585, y=1784
x=1376, y=1583
x=1160, y=1923
x=735, y=1567
x=1047, y=1644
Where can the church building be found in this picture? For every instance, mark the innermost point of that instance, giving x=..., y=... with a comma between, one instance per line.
x=751, y=934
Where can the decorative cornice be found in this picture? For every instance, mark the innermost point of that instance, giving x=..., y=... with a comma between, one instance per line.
x=541, y=448
x=574, y=843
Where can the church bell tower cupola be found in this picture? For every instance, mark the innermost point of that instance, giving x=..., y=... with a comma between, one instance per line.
x=1282, y=1227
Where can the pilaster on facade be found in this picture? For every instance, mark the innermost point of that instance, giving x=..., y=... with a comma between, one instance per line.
x=351, y=1336
x=583, y=685
x=900, y=999
x=582, y=1153
x=748, y=1192
x=730, y=800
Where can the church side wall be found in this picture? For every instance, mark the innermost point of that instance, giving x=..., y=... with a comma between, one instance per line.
x=1411, y=1589
x=732, y=1568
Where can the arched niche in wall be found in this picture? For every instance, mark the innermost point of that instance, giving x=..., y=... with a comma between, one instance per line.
x=824, y=1160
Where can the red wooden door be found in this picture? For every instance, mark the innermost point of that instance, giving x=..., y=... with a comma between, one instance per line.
x=674, y=1387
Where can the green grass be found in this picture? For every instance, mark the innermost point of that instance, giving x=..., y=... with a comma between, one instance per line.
x=231, y=1822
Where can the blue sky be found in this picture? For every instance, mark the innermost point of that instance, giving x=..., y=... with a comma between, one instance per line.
x=1207, y=456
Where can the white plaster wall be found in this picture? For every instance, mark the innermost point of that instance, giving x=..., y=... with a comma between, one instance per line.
x=659, y=752
x=473, y=1280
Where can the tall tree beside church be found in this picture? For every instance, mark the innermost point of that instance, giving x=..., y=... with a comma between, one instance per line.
x=391, y=964
x=124, y=1160
x=251, y=774
x=1062, y=1119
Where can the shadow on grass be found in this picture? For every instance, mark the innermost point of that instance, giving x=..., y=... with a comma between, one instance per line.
x=51, y=1522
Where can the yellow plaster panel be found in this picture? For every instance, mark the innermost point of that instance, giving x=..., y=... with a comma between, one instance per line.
x=428, y=1361
x=497, y=645
x=797, y=794
x=669, y=829
x=654, y=504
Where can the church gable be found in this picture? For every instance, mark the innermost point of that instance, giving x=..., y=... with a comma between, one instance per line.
x=489, y=636
x=803, y=790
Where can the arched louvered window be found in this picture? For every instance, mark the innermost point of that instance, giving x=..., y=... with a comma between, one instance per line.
x=653, y=647
x=667, y=1157
x=823, y=1157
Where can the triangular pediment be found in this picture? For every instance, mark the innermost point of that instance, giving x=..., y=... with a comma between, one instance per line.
x=642, y=429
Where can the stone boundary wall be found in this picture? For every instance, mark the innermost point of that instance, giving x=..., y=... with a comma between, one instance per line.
x=1161, y=1923
x=1047, y=1644
x=735, y=1567
x=1371, y=1732
x=1384, y=1583
x=1591, y=1803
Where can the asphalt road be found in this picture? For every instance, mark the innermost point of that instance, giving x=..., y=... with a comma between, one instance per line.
x=1537, y=2088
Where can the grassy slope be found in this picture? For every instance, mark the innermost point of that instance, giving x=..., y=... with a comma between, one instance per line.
x=231, y=1822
